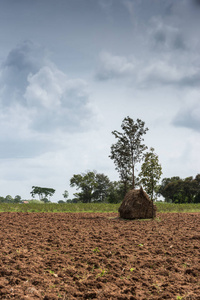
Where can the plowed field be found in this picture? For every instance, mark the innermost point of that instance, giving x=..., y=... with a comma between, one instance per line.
x=98, y=256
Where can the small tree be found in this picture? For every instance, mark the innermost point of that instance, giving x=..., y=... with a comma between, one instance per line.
x=9, y=199
x=61, y=201
x=17, y=199
x=65, y=195
x=129, y=149
x=115, y=192
x=42, y=192
x=151, y=172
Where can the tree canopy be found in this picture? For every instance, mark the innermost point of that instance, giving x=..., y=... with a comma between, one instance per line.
x=93, y=186
x=151, y=172
x=129, y=149
x=42, y=192
x=178, y=190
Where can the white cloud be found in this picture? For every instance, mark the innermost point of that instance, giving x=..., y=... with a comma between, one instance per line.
x=58, y=102
x=113, y=66
x=168, y=73
x=40, y=100
x=166, y=69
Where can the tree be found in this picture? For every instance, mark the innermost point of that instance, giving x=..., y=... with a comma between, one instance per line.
x=115, y=192
x=151, y=172
x=65, y=195
x=93, y=186
x=2, y=199
x=128, y=150
x=61, y=201
x=197, y=181
x=167, y=188
x=101, y=189
x=9, y=199
x=17, y=199
x=85, y=182
x=42, y=192
x=45, y=200
x=177, y=190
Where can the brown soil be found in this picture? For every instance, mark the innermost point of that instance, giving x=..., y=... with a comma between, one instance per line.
x=98, y=256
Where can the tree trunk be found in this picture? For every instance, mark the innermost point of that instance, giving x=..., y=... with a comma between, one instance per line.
x=133, y=182
x=125, y=187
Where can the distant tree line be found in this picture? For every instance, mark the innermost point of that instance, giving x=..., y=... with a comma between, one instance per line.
x=96, y=187
x=128, y=151
x=10, y=199
x=178, y=190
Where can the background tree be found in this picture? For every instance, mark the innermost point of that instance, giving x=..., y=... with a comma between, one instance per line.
x=86, y=183
x=9, y=199
x=2, y=199
x=65, y=195
x=61, y=201
x=45, y=200
x=92, y=185
x=101, y=189
x=115, y=192
x=42, y=192
x=197, y=196
x=129, y=149
x=151, y=172
x=165, y=192
x=17, y=199
x=177, y=190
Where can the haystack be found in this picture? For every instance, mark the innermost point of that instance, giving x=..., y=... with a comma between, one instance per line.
x=137, y=205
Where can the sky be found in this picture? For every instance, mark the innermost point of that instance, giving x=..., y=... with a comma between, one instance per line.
x=72, y=70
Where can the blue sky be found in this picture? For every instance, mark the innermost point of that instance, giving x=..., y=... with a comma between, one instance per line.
x=71, y=70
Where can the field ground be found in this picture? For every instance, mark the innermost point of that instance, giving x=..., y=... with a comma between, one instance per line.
x=98, y=256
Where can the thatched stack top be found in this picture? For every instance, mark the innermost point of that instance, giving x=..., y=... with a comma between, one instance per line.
x=137, y=205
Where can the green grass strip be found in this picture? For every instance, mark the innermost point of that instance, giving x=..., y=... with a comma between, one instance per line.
x=91, y=207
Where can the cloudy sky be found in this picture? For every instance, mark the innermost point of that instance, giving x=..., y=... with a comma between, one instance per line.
x=72, y=70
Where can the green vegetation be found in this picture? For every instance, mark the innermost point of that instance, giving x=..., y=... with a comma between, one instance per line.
x=91, y=207
x=43, y=193
x=96, y=250
x=128, y=150
x=150, y=174
x=94, y=187
x=178, y=190
x=172, y=207
x=55, y=207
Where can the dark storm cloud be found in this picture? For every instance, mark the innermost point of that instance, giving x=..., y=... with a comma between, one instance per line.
x=175, y=42
x=166, y=37
x=23, y=60
x=196, y=2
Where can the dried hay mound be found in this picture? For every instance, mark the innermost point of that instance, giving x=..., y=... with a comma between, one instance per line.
x=137, y=205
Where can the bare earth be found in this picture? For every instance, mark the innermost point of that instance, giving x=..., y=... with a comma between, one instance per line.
x=98, y=256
